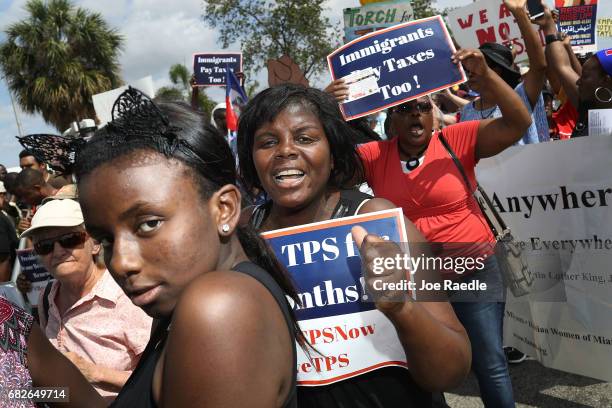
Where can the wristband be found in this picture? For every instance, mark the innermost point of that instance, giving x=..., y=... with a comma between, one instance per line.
x=551, y=38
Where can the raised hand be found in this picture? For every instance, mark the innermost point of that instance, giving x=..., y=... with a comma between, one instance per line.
x=475, y=65
x=23, y=284
x=546, y=21
x=338, y=89
x=514, y=5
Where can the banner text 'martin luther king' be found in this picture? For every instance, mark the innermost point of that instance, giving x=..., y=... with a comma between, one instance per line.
x=395, y=65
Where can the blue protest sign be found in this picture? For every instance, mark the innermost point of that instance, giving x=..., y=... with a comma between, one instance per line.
x=35, y=272
x=336, y=317
x=394, y=65
x=209, y=68
x=322, y=258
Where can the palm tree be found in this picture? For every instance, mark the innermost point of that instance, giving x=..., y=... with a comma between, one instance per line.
x=181, y=91
x=57, y=58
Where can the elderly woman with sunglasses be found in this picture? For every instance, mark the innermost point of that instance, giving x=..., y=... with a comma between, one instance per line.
x=415, y=171
x=84, y=313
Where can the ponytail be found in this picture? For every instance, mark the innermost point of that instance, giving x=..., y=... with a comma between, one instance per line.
x=261, y=254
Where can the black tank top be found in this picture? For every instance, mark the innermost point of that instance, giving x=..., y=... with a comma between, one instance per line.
x=387, y=387
x=349, y=203
x=138, y=390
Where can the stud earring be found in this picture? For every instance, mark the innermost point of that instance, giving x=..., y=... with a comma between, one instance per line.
x=225, y=228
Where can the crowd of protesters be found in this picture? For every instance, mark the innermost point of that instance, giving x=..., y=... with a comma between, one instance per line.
x=163, y=293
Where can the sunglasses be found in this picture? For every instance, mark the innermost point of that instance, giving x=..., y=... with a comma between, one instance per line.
x=421, y=107
x=67, y=241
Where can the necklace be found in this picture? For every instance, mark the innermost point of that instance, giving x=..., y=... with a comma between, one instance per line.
x=413, y=161
x=488, y=115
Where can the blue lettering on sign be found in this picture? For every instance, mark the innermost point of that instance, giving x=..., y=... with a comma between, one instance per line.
x=326, y=267
x=408, y=60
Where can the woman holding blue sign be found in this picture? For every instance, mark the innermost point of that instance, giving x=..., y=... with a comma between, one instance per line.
x=158, y=190
x=294, y=144
x=416, y=172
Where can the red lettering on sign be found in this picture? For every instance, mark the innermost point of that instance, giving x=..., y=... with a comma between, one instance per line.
x=483, y=16
x=343, y=360
x=328, y=363
x=504, y=31
x=466, y=24
x=486, y=35
x=503, y=11
x=332, y=334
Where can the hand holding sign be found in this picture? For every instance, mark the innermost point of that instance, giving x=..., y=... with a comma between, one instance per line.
x=546, y=22
x=23, y=284
x=476, y=67
x=338, y=89
x=381, y=284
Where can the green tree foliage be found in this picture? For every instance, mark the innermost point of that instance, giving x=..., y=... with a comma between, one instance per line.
x=181, y=91
x=423, y=8
x=269, y=29
x=57, y=58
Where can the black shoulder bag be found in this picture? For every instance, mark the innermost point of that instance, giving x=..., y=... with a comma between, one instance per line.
x=510, y=258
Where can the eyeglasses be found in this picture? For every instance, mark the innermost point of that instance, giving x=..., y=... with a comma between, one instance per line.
x=421, y=107
x=67, y=241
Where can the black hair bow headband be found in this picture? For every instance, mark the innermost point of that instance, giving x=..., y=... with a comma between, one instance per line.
x=56, y=151
x=135, y=115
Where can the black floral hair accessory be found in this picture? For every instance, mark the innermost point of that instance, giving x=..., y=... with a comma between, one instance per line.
x=56, y=151
x=135, y=115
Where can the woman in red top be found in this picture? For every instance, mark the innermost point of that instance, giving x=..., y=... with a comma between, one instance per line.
x=415, y=171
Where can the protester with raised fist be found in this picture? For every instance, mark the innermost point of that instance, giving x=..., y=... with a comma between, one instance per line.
x=158, y=190
x=416, y=172
x=294, y=144
x=500, y=59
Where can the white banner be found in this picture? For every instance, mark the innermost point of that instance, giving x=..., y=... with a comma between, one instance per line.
x=486, y=21
x=103, y=102
x=557, y=198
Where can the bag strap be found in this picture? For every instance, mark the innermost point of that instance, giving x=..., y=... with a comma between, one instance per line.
x=482, y=192
x=46, y=300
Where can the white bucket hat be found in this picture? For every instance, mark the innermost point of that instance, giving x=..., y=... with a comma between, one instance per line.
x=56, y=213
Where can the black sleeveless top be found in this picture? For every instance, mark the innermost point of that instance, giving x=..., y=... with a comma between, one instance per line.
x=138, y=391
x=387, y=387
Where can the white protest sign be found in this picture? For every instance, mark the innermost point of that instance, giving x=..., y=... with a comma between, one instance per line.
x=35, y=272
x=600, y=122
x=555, y=203
x=486, y=21
x=375, y=16
x=103, y=102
